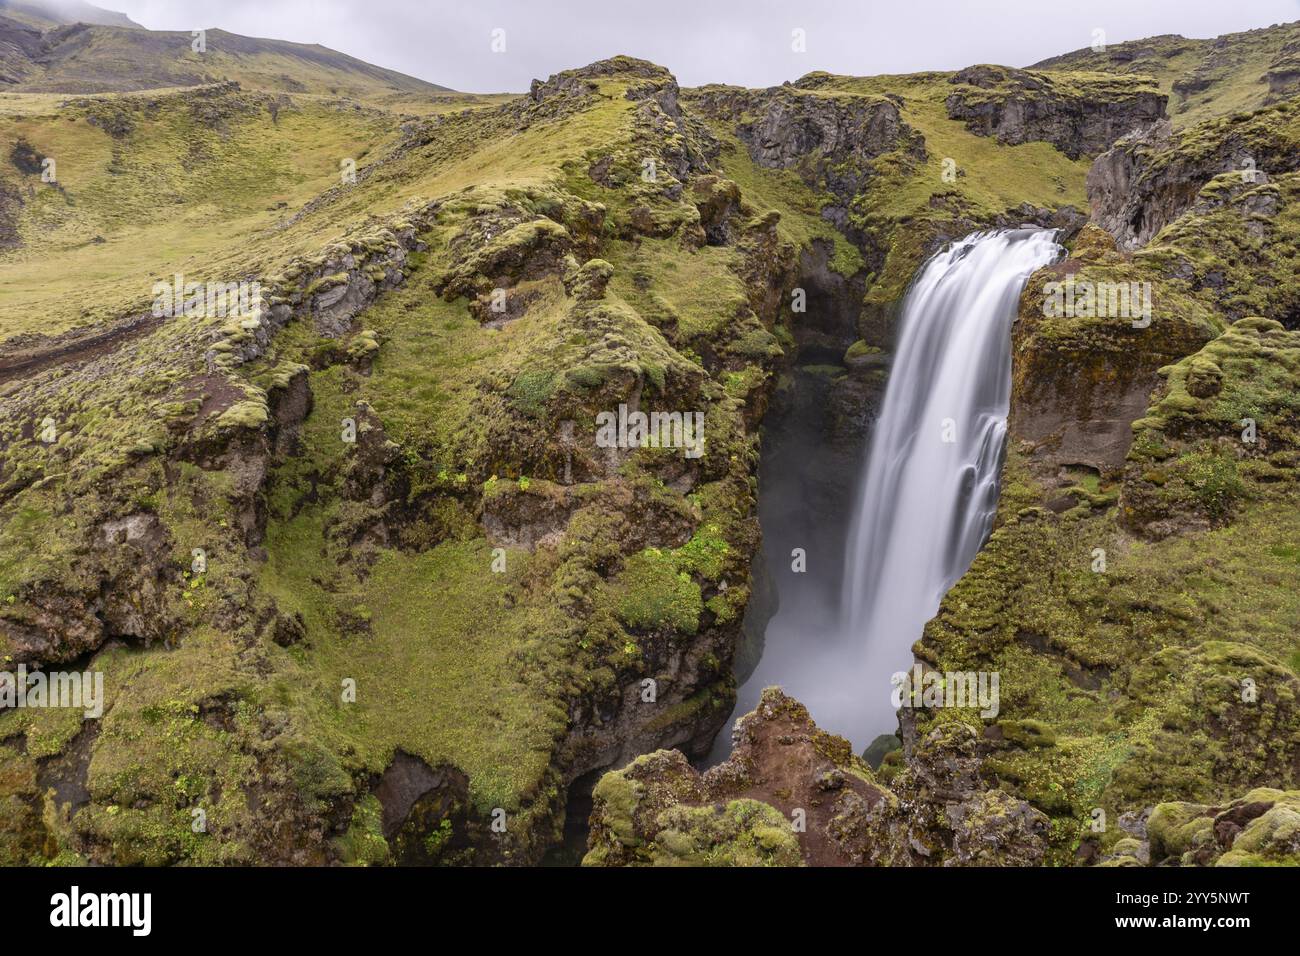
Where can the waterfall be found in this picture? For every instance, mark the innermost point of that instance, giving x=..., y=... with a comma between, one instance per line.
x=929, y=491
x=922, y=506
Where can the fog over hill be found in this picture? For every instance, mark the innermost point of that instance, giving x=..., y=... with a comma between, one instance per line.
x=450, y=42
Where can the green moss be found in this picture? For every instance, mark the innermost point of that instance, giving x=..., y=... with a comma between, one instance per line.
x=176, y=188
x=652, y=593
x=743, y=833
x=1027, y=733
x=1176, y=828
x=691, y=295
x=532, y=389
x=21, y=832
x=1269, y=839
x=363, y=844
x=446, y=596
x=705, y=554
x=325, y=283
x=1141, y=704
x=250, y=414
x=620, y=797
x=860, y=349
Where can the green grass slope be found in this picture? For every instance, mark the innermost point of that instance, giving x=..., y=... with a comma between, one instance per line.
x=83, y=58
x=1205, y=78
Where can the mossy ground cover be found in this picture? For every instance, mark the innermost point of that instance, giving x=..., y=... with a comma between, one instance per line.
x=181, y=192
x=1151, y=627
x=456, y=664
x=1136, y=664
x=692, y=295
x=467, y=667
x=437, y=667
x=161, y=745
x=440, y=659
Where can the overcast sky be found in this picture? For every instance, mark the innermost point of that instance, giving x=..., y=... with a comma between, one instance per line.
x=747, y=42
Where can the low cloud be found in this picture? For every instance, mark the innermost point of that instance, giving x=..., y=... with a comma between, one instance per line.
x=746, y=42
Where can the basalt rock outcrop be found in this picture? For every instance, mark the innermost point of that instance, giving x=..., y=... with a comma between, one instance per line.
x=829, y=139
x=1147, y=180
x=1084, y=373
x=1080, y=114
x=1235, y=73
x=1194, y=238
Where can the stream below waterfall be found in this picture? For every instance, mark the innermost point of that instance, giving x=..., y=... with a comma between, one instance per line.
x=885, y=539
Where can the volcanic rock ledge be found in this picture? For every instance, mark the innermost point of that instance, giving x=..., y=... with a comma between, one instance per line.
x=792, y=794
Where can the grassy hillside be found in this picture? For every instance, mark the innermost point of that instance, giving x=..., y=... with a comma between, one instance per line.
x=1204, y=78
x=150, y=185
x=177, y=181
x=81, y=58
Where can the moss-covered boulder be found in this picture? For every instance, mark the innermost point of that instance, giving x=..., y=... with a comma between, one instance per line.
x=1259, y=828
x=790, y=788
x=789, y=794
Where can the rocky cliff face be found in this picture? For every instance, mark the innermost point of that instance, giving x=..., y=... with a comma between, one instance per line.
x=1235, y=73
x=1079, y=114
x=862, y=143
x=1198, y=227
x=830, y=139
x=1151, y=179
x=1149, y=475
x=1079, y=381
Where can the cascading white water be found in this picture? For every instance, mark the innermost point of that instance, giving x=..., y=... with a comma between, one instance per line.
x=923, y=505
x=928, y=495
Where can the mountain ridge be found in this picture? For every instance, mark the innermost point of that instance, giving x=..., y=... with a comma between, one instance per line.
x=79, y=58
